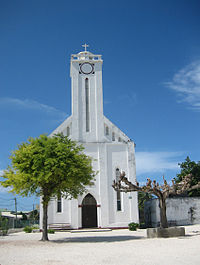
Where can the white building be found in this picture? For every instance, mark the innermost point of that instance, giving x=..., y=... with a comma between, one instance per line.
x=112, y=150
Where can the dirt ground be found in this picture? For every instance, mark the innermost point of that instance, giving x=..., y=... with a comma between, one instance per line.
x=99, y=248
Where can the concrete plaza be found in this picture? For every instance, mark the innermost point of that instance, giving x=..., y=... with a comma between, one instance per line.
x=99, y=248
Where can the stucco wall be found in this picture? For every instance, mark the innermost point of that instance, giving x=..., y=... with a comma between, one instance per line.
x=180, y=211
x=107, y=157
x=105, y=143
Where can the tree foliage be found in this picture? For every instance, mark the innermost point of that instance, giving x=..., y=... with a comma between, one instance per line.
x=190, y=167
x=49, y=167
x=3, y=225
x=142, y=198
x=34, y=215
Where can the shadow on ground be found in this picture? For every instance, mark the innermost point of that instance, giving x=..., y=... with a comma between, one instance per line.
x=96, y=239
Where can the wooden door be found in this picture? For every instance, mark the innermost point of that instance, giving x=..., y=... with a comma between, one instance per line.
x=89, y=212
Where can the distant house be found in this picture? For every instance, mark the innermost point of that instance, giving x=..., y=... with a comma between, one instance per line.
x=9, y=214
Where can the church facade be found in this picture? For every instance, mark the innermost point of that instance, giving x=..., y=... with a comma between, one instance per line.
x=112, y=152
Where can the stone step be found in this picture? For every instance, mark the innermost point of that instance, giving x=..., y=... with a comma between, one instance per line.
x=86, y=230
x=59, y=226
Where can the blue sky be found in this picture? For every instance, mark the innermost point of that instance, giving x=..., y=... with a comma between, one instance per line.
x=151, y=75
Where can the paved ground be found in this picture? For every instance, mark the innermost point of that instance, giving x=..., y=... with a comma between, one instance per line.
x=99, y=248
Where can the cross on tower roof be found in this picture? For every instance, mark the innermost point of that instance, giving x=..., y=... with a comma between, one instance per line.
x=85, y=46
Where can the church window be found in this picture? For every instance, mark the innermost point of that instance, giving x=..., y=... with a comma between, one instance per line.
x=87, y=104
x=113, y=136
x=107, y=130
x=119, y=139
x=119, y=206
x=59, y=204
x=68, y=131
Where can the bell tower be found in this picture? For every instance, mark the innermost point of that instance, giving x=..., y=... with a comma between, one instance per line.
x=87, y=96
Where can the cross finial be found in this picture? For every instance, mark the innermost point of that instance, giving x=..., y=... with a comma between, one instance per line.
x=85, y=46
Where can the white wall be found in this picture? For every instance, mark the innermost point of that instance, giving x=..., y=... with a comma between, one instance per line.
x=107, y=157
x=180, y=211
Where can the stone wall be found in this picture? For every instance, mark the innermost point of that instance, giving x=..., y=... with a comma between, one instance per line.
x=180, y=211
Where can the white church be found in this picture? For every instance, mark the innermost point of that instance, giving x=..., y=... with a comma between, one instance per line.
x=101, y=206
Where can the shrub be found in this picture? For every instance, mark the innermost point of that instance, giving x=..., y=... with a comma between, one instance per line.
x=28, y=229
x=51, y=231
x=3, y=226
x=35, y=226
x=133, y=226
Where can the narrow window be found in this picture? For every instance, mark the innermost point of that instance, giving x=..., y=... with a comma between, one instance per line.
x=68, y=131
x=119, y=206
x=59, y=204
x=113, y=136
x=87, y=104
x=107, y=130
x=119, y=139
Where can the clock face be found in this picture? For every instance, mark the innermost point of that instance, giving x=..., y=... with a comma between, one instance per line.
x=86, y=68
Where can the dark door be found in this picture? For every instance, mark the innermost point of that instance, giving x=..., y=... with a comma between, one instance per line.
x=89, y=212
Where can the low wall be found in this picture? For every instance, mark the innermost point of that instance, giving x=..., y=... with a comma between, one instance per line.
x=180, y=211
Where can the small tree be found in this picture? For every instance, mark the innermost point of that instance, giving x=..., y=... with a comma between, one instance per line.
x=24, y=216
x=34, y=215
x=160, y=191
x=49, y=167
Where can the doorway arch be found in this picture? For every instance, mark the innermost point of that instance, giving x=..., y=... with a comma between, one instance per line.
x=89, y=212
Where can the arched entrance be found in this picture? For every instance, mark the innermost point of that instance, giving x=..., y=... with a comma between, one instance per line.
x=89, y=212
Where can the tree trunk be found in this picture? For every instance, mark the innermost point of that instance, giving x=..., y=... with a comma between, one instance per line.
x=44, y=223
x=163, y=215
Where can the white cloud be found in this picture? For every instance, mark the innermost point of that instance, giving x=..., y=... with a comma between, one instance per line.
x=156, y=162
x=31, y=105
x=187, y=83
x=1, y=172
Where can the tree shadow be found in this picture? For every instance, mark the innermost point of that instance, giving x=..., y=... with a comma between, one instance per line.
x=96, y=239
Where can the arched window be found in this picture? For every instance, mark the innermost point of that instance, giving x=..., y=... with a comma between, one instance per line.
x=117, y=176
x=119, y=139
x=87, y=110
x=107, y=130
x=68, y=131
x=113, y=136
x=89, y=200
x=59, y=204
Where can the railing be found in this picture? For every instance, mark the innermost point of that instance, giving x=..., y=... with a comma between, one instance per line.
x=13, y=223
x=86, y=56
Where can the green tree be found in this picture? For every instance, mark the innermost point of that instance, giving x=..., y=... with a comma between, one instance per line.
x=142, y=198
x=190, y=167
x=34, y=215
x=24, y=216
x=48, y=167
x=3, y=225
